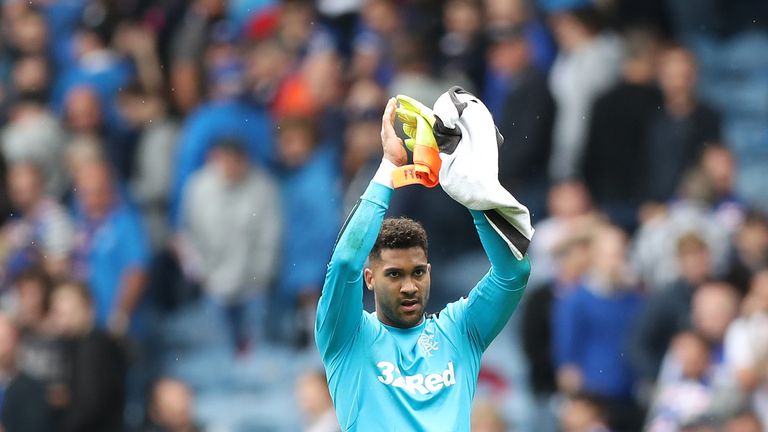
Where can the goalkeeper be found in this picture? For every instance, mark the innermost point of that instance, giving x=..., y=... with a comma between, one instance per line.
x=398, y=369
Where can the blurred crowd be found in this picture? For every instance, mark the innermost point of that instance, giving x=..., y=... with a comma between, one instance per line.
x=158, y=154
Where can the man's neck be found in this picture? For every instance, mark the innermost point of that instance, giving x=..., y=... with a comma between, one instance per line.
x=382, y=319
x=680, y=105
x=29, y=211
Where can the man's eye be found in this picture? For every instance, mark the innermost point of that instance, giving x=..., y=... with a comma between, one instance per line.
x=392, y=274
x=419, y=272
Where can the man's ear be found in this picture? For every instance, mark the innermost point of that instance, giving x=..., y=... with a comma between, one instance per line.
x=429, y=268
x=368, y=278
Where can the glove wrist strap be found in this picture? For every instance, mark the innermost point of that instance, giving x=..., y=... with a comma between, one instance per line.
x=425, y=169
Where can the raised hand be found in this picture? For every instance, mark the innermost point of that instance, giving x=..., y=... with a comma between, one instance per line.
x=390, y=142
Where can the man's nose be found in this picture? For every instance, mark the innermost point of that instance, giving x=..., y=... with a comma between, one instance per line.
x=408, y=286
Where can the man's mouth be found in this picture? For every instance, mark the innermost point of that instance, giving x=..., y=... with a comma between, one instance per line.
x=409, y=305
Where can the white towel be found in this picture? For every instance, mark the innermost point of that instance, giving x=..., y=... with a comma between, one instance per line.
x=469, y=149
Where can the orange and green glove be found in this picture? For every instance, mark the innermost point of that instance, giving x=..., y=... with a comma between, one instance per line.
x=417, y=124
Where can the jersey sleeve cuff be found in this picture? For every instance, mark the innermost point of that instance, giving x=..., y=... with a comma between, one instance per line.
x=478, y=217
x=383, y=175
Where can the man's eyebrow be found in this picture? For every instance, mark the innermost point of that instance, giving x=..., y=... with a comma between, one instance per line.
x=416, y=267
x=386, y=269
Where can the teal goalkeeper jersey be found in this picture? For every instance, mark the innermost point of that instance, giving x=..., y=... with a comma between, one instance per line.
x=423, y=378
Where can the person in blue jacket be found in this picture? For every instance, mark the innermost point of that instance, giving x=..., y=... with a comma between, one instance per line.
x=398, y=369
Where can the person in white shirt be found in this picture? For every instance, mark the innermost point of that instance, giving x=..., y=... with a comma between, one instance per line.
x=746, y=345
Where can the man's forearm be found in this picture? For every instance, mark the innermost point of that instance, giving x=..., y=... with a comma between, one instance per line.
x=503, y=262
x=497, y=295
x=359, y=232
x=130, y=293
x=341, y=303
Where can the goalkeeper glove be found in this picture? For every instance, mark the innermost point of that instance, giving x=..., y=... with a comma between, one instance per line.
x=417, y=124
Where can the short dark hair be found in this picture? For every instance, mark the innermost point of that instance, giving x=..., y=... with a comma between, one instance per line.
x=37, y=274
x=399, y=233
x=591, y=17
x=301, y=123
x=596, y=402
x=231, y=145
x=754, y=217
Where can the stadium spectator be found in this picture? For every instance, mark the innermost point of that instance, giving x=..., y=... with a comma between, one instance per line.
x=718, y=165
x=746, y=346
x=570, y=209
x=372, y=56
x=155, y=149
x=33, y=134
x=462, y=46
x=363, y=108
x=592, y=327
x=40, y=355
x=81, y=151
x=687, y=398
x=668, y=310
x=27, y=30
x=313, y=91
x=25, y=405
x=517, y=95
x=93, y=392
x=25, y=36
x=9, y=340
x=230, y=234
x=189, y=43
x=111, y=250
x=681, y=129
x=300, y=31
x=311, y=203
x=587, y=64
x=95, y=64
x=584, y=413
x=661, y=228
x=486, y=417
x=614, y=163
x=225, y=115
x=413, y=74
x=137, y=42
x=746, y=421
x=28, y=300
x=30, y=80
x=41, y=231
x=572, y=261
x=501, y=14
x=62, y=20
x=341, y=17
x=750, y=250
x=267, y=65
x=713, y=307
x=315, y=403
x=84, y=117
x=171, y=408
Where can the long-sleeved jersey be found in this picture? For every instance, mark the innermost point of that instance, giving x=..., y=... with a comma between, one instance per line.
x=423, y=378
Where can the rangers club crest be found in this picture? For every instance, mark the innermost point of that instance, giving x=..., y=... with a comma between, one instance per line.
x=427, y=344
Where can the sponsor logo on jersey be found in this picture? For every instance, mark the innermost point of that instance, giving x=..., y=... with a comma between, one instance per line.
x=419, y=383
